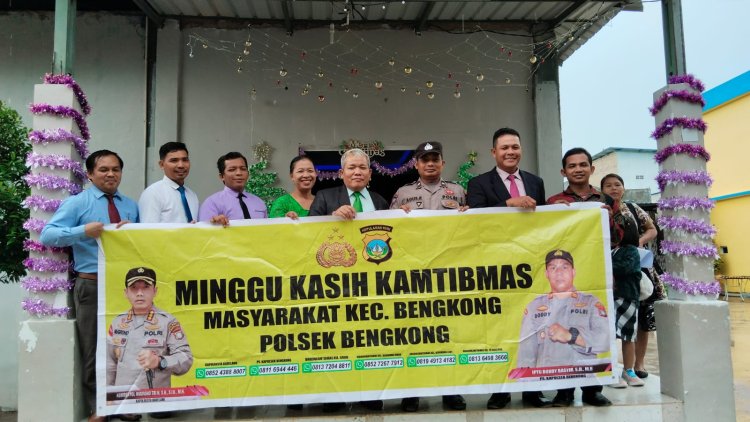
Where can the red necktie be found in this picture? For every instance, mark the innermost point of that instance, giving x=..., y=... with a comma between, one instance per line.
x=114, y=215
x=514, y=193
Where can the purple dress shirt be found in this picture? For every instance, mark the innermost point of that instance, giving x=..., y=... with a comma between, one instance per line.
x=226, y=202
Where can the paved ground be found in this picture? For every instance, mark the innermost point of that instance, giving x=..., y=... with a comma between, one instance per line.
x=740, y=325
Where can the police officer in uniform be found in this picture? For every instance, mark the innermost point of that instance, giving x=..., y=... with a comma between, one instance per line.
x=564, y=326
x=145, y=345
x=430, y=191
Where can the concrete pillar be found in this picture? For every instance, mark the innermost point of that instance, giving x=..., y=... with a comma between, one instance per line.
x=547, y=123
x=694, y=346
x=48, y=360
x=168, y=76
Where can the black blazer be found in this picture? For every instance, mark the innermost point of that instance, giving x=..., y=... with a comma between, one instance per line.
x=329, y=200
x=487, y=190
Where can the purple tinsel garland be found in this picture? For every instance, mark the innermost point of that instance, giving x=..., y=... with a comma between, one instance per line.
x=56, y=161
x=43, y=264
x=685, y=122
x=39, y=202
x=393, y=172
x=685, y=202
x=43, y=137
x=73, y=85
x=55, y=284
x=687, y=79
x=38, y=307
x=34, y=225
x=684, y=248
x=36, y=246
x=697, y=177
x=694, y=151
x=688, y=225
x=49, y=182
x=686, y=96
x=63, y=111
x=690, y=287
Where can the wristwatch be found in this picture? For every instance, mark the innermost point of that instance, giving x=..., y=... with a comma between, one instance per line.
x=573, y=335
x=163, y=362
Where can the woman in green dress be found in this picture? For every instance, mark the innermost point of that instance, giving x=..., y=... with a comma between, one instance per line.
x=297, y=203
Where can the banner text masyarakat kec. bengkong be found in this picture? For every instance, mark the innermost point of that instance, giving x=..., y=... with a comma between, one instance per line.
x=388, y=305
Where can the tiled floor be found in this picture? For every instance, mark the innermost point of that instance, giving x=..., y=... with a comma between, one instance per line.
x=740, y=323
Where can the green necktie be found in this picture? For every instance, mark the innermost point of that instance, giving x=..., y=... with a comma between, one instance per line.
x=357, y=201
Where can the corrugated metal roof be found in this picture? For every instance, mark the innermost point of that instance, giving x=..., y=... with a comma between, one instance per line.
x=579, y=19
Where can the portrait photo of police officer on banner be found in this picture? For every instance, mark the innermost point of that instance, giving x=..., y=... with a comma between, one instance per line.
x=146, y=346
x=563, y=331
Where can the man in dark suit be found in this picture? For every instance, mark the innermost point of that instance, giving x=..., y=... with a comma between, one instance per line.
x=353, y=197
x=508, y=186
x=497, y=188
x=346, y=201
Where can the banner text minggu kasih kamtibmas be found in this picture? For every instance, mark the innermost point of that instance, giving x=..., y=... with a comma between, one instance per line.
x=278, y=311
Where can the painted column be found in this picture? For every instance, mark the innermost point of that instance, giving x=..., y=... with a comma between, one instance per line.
x=693, y=326
x=547, y=123
x=48, y=370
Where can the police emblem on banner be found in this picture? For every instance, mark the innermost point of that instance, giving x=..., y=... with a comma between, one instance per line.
x=377, y=243
x=336, y=253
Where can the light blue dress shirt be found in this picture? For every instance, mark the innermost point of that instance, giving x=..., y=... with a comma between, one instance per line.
x=367, y=204
x=67, y=225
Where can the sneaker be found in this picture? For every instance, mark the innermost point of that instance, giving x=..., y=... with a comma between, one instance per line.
x=631, y=378
x=641, y=374
x=621, y=384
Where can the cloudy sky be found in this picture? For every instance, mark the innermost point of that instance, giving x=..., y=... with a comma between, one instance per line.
x=608, y=84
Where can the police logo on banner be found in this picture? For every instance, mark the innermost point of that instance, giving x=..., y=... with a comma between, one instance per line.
x=377, y=243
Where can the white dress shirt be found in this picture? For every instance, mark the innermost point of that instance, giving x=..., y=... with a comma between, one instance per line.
x=162, y=203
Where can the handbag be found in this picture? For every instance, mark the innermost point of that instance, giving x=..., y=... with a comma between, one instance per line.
x=647, y=287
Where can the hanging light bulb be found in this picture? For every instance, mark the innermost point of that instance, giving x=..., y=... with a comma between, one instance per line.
x=248, y=43
x=239, y=59
x=407, y=70
x=532, y=59
x=430, y=95
x=320, y=73
x=282, y=72
x=429, y=84
x=480, y=77
x=457, y=94
x=418, y=92
x=391, y=61
x=355, y=95
x=239, y=70
x=378, y=84
x=321, y=98
x=403, y=89
x=246, y=52
x=346, y=89
x=507, y=80
x=253, y=93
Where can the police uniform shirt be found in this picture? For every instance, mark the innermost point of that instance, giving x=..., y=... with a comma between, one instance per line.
x=443, y=195
x=158, y=332
x=580, y=310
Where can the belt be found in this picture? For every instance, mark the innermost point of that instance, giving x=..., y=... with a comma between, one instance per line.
x=88, y=276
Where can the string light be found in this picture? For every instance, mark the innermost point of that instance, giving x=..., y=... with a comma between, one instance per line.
x=352, y=61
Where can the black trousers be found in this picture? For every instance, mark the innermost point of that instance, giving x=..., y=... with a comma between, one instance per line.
x=85, y=299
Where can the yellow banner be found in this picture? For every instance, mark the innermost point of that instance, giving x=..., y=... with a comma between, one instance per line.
x=320, y=310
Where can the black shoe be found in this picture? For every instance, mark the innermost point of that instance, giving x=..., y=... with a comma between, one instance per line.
x=498, y=400
x=564, y=398
x=294, y=406
x=372, y=404
x=454, y=402
x=596, y=399
x=161, y=415
x=333, y=407
x=410, y=404
x=641, y=374
x=535, y=399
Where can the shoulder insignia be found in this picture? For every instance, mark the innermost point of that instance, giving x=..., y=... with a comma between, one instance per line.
x=602, y=310
x=574, y=295
x=176, y=330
